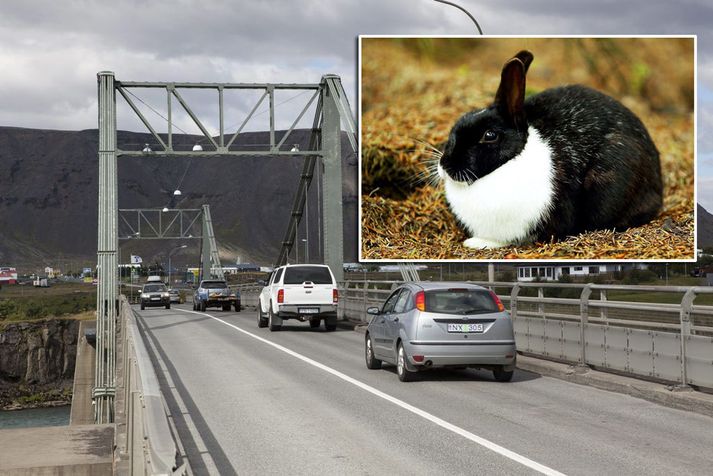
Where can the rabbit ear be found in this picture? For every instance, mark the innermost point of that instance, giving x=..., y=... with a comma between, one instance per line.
x=526, y=57
x=510, y=97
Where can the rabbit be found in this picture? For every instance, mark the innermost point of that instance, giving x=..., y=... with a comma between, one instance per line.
x=563, y=161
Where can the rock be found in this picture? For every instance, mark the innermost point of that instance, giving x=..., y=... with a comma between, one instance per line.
x=36, y=358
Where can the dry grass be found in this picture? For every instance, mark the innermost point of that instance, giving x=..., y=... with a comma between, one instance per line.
x=412, y=95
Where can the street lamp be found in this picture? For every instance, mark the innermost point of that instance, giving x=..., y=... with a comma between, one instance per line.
x=304, y=240
x=169, y=260
x=464, y=11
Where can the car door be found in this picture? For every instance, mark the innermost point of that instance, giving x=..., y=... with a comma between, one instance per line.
x=394, y=321
x=379, y=336
x=265, y=294
x=274, y=287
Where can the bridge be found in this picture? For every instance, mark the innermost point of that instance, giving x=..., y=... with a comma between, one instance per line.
x=603, y=385
x=244, y=400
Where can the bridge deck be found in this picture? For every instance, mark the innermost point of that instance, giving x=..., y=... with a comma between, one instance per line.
x=245, y=400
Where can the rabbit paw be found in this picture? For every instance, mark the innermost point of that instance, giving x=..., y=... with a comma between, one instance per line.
x=480, y=243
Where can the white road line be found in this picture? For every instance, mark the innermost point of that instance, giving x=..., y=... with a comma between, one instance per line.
x=423, y=414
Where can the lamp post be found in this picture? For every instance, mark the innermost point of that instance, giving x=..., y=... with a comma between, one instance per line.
x=169, y=261
x=464, y=11
x=304, y=240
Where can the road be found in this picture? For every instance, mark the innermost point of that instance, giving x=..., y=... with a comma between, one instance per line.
x=246, y=400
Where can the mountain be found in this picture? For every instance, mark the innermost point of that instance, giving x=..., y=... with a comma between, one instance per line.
x=48, y=197
x=704, y=228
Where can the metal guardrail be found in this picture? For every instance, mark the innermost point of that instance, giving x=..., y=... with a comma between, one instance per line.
x=145, y=443
x=671, y=342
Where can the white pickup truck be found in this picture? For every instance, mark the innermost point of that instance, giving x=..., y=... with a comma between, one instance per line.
x=306, y=292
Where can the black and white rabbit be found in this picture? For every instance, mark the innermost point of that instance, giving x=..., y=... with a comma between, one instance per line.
x=566, y=160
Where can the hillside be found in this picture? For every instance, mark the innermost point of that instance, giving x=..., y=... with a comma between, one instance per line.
x=48, y=198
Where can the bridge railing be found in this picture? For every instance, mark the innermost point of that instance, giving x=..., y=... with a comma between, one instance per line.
x=591, y=324
x=145, y=443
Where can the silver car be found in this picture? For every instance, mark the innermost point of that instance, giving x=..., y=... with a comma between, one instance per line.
x=428, y=325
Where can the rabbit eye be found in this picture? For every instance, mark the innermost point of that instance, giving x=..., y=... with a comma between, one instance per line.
x=489, y=137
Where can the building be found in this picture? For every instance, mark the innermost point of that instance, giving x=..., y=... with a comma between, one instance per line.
x=193, y=273
x=8, y=275
x=553, y=272
x=247, y=267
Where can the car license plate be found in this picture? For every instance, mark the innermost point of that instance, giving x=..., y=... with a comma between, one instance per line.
x=465, y=327
x=308, y=310
x=155, y=299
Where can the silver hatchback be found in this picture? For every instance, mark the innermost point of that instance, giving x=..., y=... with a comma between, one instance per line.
x=428, y=325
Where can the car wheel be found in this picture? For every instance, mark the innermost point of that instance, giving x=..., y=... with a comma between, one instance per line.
x=271, y=323
x=330, y=324
x=168, y=306
x=237, y=306
x=226, y=307
x=314, y=323
x=203, y=306
x=405, y=375
x=503, y=375
x=371, y=361
x=142, y=306
x=194, y=306
x=261, y=320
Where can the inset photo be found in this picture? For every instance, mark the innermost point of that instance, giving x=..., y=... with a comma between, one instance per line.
x=492, y=148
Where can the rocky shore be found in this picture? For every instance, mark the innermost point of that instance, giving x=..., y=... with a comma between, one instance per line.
x=37, y=363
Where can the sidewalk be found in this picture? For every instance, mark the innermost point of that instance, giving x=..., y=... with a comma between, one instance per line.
x=77, y=450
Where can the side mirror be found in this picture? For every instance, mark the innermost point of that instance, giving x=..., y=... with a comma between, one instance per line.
x=374, y=311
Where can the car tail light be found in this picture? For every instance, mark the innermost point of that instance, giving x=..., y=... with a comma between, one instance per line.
x=280, y=296
x=335, y=296
x=498, y=302
x=421, y=301
x=418, y=358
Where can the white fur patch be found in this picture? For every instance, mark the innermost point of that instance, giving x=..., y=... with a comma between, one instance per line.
x=504, y=206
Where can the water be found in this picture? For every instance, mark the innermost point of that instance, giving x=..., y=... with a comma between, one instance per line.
x=53, y=416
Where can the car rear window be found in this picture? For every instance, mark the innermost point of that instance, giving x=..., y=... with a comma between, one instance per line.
x=152, y=288
x=460, y=301
x=214, y=285
x=300, y=274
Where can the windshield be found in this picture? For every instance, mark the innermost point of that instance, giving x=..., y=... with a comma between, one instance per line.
x=152, y=288
x=460, y=301
x=214, y=285
x=300, y=274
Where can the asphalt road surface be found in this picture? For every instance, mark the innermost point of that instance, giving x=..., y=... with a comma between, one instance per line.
x=246, y=400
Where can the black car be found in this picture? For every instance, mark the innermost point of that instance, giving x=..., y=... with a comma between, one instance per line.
x=155, y=294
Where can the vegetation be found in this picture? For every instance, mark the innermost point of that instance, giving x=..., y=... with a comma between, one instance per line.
x=23, y=303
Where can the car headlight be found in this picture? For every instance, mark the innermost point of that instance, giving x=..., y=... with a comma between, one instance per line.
x=164, y=295
x=144, y=295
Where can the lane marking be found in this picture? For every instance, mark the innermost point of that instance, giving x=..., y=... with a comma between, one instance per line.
x=406, y=406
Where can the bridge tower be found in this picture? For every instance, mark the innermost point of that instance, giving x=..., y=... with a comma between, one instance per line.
x=332, y=113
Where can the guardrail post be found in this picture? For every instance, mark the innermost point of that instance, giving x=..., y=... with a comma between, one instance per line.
x=686, y=308
x=513, y=300
x=603, y=310
x=583, y=321
x=541, y=305
x=362, y=314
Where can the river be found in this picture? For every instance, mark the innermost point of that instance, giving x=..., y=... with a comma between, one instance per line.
x=52, y=416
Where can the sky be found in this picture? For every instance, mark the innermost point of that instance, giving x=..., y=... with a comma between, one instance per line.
x=51, y=51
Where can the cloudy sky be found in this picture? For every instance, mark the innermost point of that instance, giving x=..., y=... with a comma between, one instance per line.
x=51, y=51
